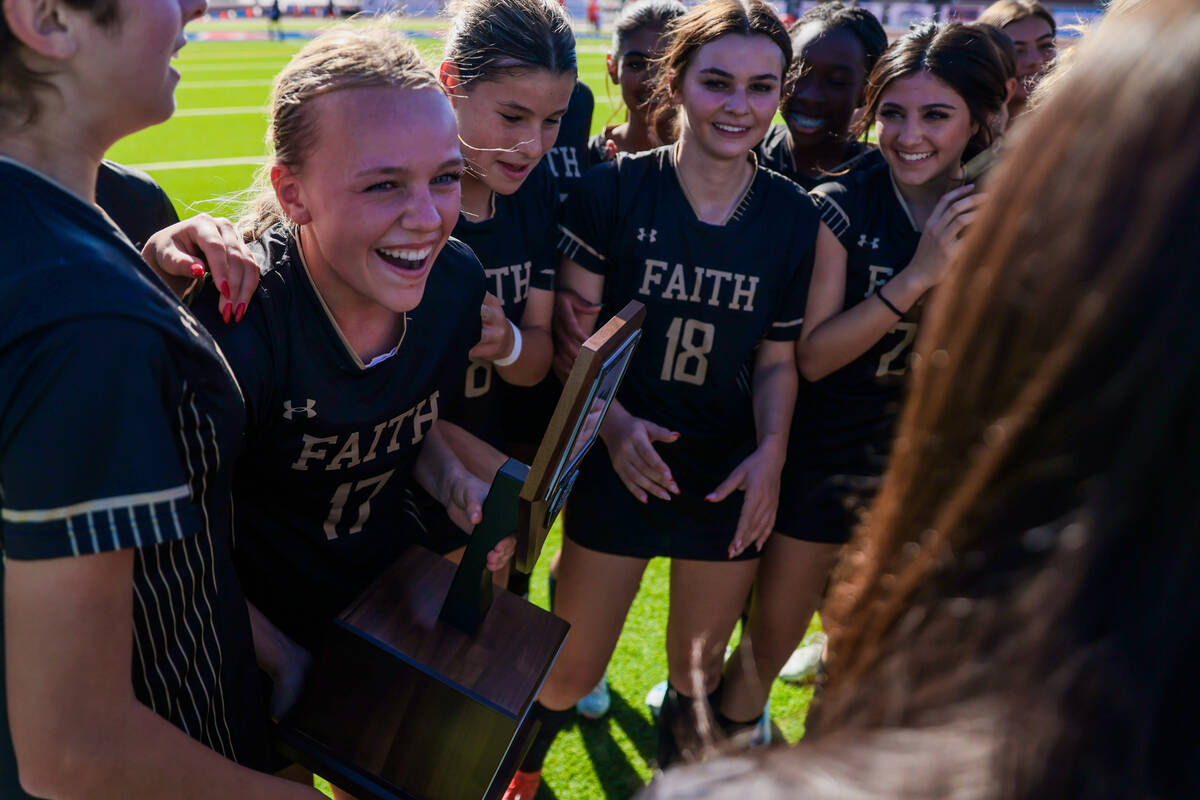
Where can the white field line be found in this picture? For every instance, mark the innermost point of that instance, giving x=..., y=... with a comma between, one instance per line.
x=221, y=112
x=186, y=84
x=228, y=67
x=201, y=163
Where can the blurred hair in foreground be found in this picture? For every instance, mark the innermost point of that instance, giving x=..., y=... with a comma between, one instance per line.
x=1019, y=616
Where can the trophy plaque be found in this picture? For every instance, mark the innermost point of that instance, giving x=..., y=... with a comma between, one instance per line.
x=426, y=679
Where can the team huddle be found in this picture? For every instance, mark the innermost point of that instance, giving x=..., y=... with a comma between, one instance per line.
x=247, y=421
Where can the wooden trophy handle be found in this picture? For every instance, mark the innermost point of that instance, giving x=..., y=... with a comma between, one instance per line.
x=470, y=594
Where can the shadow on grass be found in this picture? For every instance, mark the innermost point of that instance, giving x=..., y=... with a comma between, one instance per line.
x=618, y=777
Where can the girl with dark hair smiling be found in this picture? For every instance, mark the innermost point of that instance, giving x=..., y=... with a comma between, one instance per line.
x=836, y=47
x=887, y=233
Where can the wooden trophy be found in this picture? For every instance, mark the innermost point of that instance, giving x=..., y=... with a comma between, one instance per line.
x=423, y=688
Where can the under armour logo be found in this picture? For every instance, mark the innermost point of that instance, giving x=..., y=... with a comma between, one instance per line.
x=862, y=242
x=309, y=409
x=642, y=234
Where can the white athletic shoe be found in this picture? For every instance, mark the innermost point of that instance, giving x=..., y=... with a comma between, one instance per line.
x=802, y=665
x=595, y=703
x=655, y=697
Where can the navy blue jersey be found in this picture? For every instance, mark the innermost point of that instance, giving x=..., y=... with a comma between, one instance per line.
x=712, y=292
x=516, y=247
x=118, y=420
x=136, y=203
x=858, y=403
x=775, y=152
x=569, y=159
x=598, y=147
x=320, y=490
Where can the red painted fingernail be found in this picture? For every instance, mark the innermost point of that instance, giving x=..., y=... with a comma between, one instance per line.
x=225, y=291
x=226, y=312
x=241, y=309
x=197, y=270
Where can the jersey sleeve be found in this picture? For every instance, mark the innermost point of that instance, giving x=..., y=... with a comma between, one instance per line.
x=834, y=201
x=589, y=219
x=788, y=314
x=90, y=457
x=248, y=346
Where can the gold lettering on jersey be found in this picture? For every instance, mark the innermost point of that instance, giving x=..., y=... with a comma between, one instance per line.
x=741, y=292
x=348, y=454
x=676, y=287
x=521, y=274
x=344, y=452
x=419, y=428
x=879, y=276
x=310, y=449
x=717, y=287
x=370, y=456
x=396, y=422
x=650, y=276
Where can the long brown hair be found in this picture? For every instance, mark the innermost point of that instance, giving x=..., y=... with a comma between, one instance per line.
x=1037, y=534
x=960, y=55
x=707, y=22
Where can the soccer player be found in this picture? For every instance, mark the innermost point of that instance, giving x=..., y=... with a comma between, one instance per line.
x=692, y=231
x=637, y=43
x=356, y=343
x=509, y=70
x=836, y=47
x=886, y=236
x=1033, y=31
x=128, y=666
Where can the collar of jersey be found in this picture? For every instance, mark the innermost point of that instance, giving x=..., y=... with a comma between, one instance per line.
x=358, y=362
x=736, y=209
x=903, y=203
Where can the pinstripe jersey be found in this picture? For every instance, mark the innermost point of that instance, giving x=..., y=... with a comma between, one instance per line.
x=712, y=292
x=118, y=421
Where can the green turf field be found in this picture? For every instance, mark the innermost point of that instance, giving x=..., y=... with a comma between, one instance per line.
x=205, y=157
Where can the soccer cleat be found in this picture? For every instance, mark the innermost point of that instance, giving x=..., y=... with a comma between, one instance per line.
x=654, y=698
x=803, y=664
x=595, y=703
x=524, y=785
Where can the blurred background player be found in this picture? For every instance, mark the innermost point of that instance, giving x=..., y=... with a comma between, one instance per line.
x=1031, y=27
x=632, y=63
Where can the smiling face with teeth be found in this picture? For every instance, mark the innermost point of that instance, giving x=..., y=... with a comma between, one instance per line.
x=823, y=97
x=376, y=198
x=729, y=94
x=923, y=127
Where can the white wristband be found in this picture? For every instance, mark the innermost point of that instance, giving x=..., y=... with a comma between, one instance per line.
x=516, y=351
